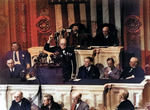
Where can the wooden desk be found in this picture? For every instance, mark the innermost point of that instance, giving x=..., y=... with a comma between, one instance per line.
x=113, y=52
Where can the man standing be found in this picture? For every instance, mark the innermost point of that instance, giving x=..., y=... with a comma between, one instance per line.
x=88, y=71
x=105, y=39
x=68, y=57
x=49, y=104
x=20, y=103
x=133, y=71
x=20, y=57
x=78, y=104
x=13, y=71
x=110, y=72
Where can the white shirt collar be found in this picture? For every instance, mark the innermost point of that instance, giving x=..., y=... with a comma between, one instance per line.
x=12, y=69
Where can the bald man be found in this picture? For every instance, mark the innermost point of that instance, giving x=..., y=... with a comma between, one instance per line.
x=133, y=70
x=105, y=39
x=78, y=104
x=20, y=103
x=125, y=104
x=68, y=54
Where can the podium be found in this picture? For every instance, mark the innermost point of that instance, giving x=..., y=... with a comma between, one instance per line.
x=49, y=74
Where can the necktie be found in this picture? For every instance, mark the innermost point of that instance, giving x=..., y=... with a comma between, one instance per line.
x=15, y=56
x=131, y=70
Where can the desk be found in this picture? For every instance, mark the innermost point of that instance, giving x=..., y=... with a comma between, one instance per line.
x=52, y=75
x=92, y=94
x=113, y=52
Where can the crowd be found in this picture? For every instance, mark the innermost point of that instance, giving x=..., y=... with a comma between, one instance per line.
x=18, y=60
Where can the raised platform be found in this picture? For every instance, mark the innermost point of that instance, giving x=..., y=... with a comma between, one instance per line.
x=96, y=93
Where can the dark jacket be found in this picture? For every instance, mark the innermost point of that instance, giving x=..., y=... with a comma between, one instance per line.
x=68, y=59
x=25, y=105
x=24, y=57
x=55, y=106
x=93, y=73
x=16, y=74
x=99, y=40
x=125, y=105
x=138, y=72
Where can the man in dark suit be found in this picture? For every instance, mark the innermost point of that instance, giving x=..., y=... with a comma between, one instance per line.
x=67, y=54
x=13, y=71
x=105, y=39
x=133, y=71
x=78, y=104
x=49, y=104
x=20, y=57
x=88, y=71
x=20, y=103
x=110, y=72
x=125, y=104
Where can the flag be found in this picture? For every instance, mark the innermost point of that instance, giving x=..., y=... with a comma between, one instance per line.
x=91, y=13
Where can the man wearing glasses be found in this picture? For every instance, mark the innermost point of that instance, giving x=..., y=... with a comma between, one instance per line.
x=68, y=57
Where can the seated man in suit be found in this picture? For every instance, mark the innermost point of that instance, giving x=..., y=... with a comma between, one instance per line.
x=67, y=54
x=20, y=103
x=110, y=72
x=13, y=71
x=88, y=71
x=20, y=57
x=49, y=104
x=125, y=104
x=105, y=38
x=133, y=71
x=78, y=104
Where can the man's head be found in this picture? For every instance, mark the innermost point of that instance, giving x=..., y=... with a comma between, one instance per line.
x=105, y=30
x=47, y=99
x=76, y=97
x=87, y=61
x=15, y=46
x=18, y=96
x=133, y=62
x=110, y=62
x=10, y=63
x=123, y=94
x=62, y=43
x=75, y=29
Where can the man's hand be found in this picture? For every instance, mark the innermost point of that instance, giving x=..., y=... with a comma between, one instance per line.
x=130, y=77
x=73, y=75
x=50, y=38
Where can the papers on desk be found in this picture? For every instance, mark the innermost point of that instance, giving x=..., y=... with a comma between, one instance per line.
x=76, y=79
x=31, y=79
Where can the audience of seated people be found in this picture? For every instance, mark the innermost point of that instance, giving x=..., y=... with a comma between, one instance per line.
x=49, y=104
x=110, y=72
x=22, y=58
x=133, y=71
x=78, y=104
x=12, y=71
x=125, y=104
x=88, y=70
x=19, y=102
x=105, y=38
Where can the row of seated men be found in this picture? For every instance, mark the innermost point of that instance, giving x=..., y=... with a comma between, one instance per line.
x=21, y=103
x=18, y=60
